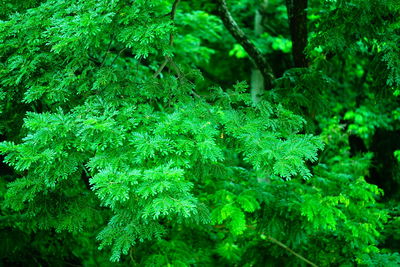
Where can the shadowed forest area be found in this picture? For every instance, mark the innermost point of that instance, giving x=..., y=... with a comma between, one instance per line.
x=200, y=133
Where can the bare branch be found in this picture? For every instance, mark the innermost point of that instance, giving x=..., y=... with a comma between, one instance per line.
x=256, y=56
x=119, y=53
x=171, y=37
x=160, y=69
x=174, y=7
x=108, y=51
x=273, y=240
x=279, y=243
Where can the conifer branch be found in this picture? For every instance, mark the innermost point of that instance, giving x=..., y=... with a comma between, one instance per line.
x=255, y=54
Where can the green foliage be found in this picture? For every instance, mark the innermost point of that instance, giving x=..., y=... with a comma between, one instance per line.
x=175, y=165
x=361, y=116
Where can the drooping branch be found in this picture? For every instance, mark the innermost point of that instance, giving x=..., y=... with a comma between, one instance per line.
x=255, y=55
x=297, y=14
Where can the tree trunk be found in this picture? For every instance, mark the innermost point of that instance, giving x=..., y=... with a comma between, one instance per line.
x=297, y=13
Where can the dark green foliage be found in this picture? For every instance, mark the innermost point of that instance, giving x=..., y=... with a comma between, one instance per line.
x=172, y=166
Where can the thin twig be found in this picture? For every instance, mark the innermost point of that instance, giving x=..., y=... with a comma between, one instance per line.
x=160, y=69
x=130, y=255
x=181, y=76
x=290, y=250
x=119, y=53
x=108, y=51
x=176, y=68
x=279, y=243
x=171, y=37
x=173, y=13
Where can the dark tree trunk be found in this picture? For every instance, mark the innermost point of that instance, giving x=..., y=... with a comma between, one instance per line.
x=385, y=167
x=297, y=13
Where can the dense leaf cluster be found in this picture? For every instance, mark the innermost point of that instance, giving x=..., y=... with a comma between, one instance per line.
x=124, y=128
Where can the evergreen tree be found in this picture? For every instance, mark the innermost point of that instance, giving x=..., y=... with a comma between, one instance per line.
x=128, y=126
